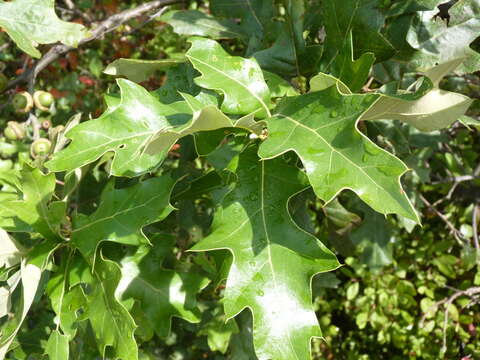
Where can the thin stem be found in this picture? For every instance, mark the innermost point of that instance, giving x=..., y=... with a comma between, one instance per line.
x=474, y=226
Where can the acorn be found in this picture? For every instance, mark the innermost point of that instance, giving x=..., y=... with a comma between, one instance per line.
x=14, y=131
x=43, y=100
x=22, y=102
x=40, y=147
x=3, y=82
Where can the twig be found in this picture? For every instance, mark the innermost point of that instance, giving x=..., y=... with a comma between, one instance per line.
x=69, y=4
x=150, y=19
x=474, y=226
x=33, y=121
x=74, y=11
x=366, y=87
x=4, y=46
x=458, y=235
x=452, y=190
x=104, y=27
x=476, y=172
x=456, y=179
x=470, y=292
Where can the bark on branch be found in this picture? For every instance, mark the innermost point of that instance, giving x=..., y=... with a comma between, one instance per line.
x=104, y=27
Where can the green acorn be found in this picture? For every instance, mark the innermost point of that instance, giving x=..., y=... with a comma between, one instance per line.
x=14, y=131
x=22, y=102
x=43, y=100
x=40, y=147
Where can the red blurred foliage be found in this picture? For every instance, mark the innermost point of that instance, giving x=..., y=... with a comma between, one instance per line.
x=86, y=80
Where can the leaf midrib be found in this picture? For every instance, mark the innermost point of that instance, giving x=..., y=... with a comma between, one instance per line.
x=122, y=212
x=269, y=243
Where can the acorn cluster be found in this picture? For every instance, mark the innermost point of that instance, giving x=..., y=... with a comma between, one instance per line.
x=17, y=136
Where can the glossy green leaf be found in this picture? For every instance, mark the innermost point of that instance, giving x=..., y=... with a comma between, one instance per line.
x=57, y=347
x=353, y=73
x=409, y=6
x=289, y=54
x=218, y=330
x=273, y=259
x=361, y=18
x=194, y=22
x=278, y=86
x=239, y=80
x=140, y=133
x=139, y=70
x=7, y=216
x=122, y=213
x=340, y=216
x=111, y=322
x=255, y=16
x=127, y=130
x=373, y=239
x=179, y=80
x=470, y=122
x=162, y=293
x=321, y=127
x=33, y=22
x=65, y=297
x=34, y=206
x=241, y=344
x=438, y=41
x=323, y=81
